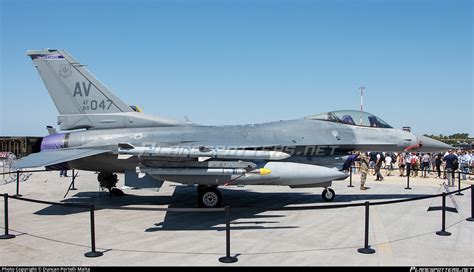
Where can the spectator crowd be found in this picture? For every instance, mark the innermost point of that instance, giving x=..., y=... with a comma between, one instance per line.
x=441, y=165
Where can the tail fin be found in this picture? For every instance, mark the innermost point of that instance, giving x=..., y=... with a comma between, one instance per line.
x=84, y=102
x=72, y=87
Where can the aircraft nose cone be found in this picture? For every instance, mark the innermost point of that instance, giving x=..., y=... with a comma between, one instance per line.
x=432, y=145
x=341, y=176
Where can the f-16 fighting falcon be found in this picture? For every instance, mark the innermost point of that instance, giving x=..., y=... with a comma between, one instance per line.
x=109, y=136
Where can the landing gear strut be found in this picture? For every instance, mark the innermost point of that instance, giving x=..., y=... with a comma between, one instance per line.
x=209, y=197
x=328, y=194
x=109, y=180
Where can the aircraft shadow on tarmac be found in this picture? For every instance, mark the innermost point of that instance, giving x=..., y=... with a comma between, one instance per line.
x=245, y=205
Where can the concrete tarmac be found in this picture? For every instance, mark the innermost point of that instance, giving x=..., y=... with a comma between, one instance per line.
x=130, y=234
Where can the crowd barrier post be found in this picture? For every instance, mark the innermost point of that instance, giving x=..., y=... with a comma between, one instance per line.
x=73, y=180
x=471, y=219
x=459, y=184
x=350, y=177
x=408, y=180
x=6, y=235
x=366, y=249
x=18, y=183
x=443, y=231
x=93, y=253
x=227, y=258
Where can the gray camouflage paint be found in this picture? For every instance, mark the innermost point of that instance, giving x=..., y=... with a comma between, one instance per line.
x=315, y=146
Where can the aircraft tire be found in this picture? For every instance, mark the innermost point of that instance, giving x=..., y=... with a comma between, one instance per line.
x=201, y=188
x=116, y=192
x=328, y=194
x=107, y=180
x=209, y=197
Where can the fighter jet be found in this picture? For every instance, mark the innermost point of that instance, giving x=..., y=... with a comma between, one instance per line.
x=102, y=133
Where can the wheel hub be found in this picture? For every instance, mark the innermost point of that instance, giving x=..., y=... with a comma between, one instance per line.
x=210, y=199
x=328, y=194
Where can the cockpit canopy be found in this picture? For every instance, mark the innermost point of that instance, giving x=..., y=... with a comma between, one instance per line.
x=351, y=117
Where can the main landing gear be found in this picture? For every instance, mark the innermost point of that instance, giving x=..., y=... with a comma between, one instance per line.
x=209, y=197
x=109, y=180
x=328, y=194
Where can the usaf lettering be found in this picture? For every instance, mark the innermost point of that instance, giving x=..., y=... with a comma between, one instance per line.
x=78, y=90
x=85, y=90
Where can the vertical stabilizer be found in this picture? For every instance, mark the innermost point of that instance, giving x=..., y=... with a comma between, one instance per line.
x=82, y=101
x=72, y=87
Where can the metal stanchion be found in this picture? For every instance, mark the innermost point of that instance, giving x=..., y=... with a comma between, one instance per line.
x=408, y=180
x=18, y=183
x=366, y=249
x=93, y=253
x=471, y=219
x=6, y=235
x=350, y=177
x=459, y=184
x=227, y=258
x=73, y=179
x=443, y=231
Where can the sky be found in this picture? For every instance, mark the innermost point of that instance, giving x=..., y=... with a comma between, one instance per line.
x=239, y=62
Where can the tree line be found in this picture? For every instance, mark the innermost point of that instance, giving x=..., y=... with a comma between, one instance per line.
x=456, y=138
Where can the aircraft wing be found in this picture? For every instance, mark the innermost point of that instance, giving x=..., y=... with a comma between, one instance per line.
x=51, y=157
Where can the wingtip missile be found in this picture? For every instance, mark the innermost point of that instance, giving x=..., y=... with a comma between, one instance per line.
x=202, y=153
x=277, y=155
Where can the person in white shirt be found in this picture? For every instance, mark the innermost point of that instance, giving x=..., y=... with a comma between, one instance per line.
x=425, y=164
x=464, y=162
x=388, y=164
x=408, y=158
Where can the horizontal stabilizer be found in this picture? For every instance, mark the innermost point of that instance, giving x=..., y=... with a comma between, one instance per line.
x=51, y=130
x=52, y=157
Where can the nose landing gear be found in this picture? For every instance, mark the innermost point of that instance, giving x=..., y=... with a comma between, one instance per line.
x=328, y=194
